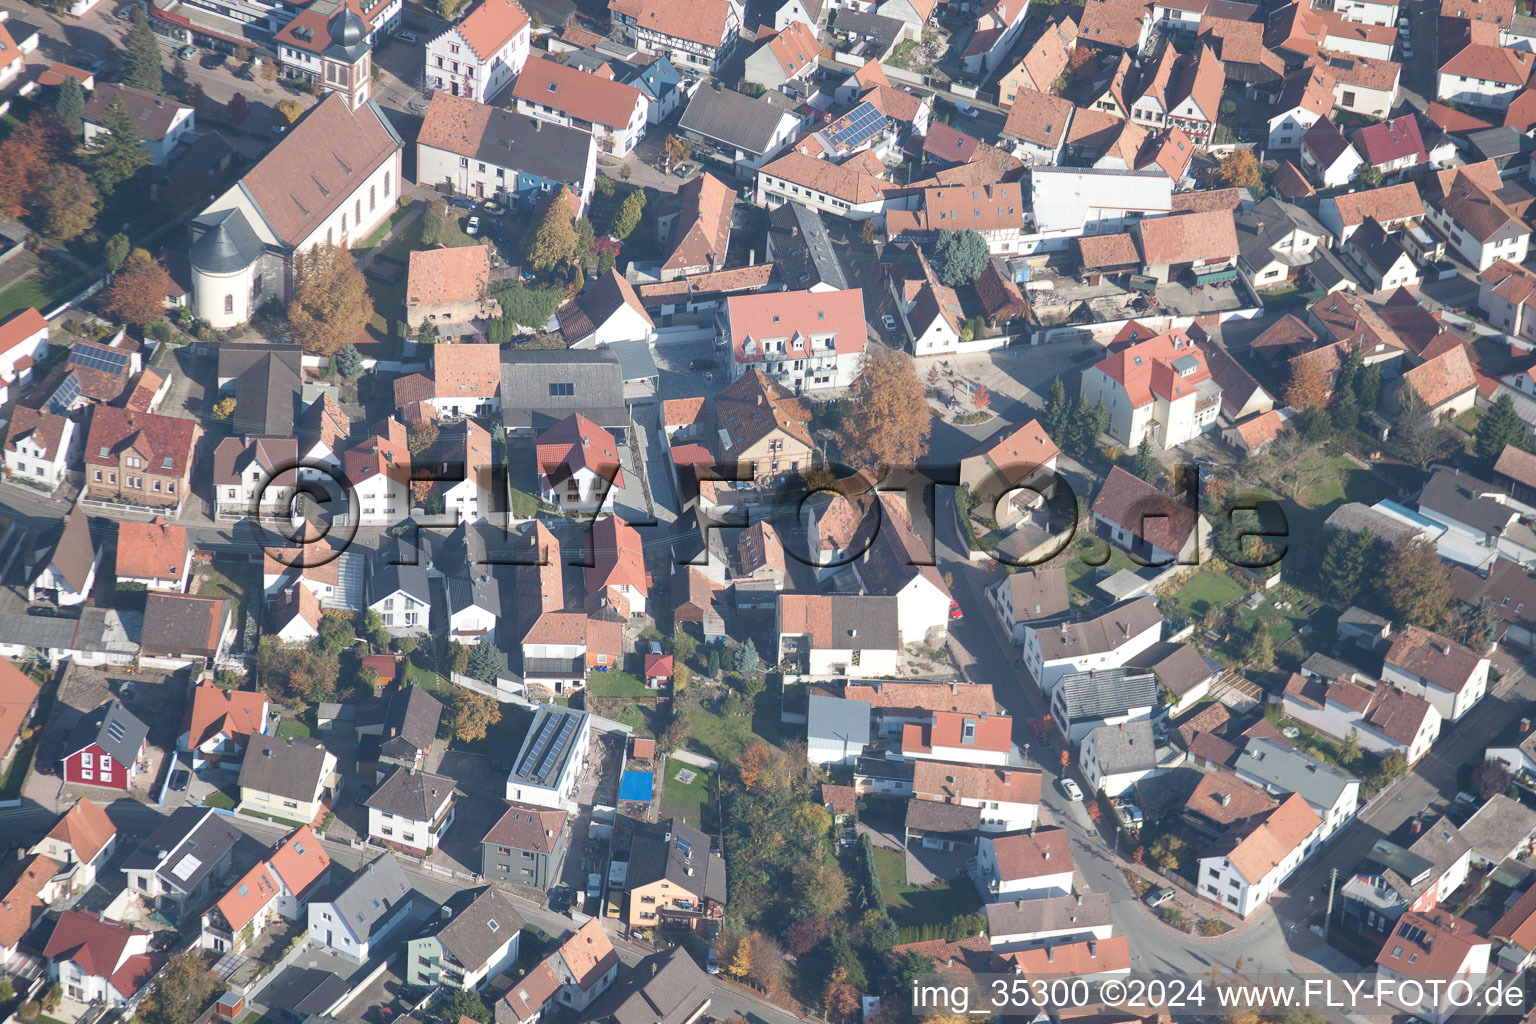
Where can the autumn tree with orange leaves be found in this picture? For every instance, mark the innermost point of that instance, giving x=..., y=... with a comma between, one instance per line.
x=1308, y=389
x=137, y=294
x=25, y=157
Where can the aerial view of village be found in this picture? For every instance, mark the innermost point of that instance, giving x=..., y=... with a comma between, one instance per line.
x=767, y=511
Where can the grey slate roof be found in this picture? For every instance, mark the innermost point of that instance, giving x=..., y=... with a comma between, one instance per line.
x=1459, y=496
x=73, y=552
x=884, y=769
x=283, y=767
x=1107, y=692
x=40, y=631
x=369, y=898
x=226, y=245
x=266, y=395
x=235, y=357
x=659, y=852
x=1282, y=769
x=664, y=988
x=725, y=115
x=305, y=992
x=936, y=816
x=410, y=721
x=883, y=30
x=474, y=924
x=114, y=729
x=1085, y=911
x=1125, y=748
x=635, y=360
x=1492, y=143
x=186, y=847
x=1499, y=827
x=469, y=573
x=1178, y=667
x=837, y=719
x=409, y=794
x=798, y=242
x=390, y=577
x=549, y=151
x=534, y=395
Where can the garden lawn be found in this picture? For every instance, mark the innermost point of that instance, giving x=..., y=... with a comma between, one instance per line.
x=22, y=295
x=1203, y=591
x=694, y=802
x=291, y=727
x=911, y=906
x=220, y=798
x=615, y=684
x=726, y=738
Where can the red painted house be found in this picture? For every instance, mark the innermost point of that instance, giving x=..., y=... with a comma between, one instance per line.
x=106, y=748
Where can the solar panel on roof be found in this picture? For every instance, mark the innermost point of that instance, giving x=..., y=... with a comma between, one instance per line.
x=115, y=730
x=64, y=396
x=98, y=357
x=856, y=126
x=685, y=846
x=186, y=866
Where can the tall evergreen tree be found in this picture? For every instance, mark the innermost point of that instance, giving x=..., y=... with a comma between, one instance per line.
x=118, y=153
x=1343, y=563
x=1058, y=411
x=1416, y=433
x=1498, y=427
x=70, y=106
x=141, y=56
x=1368, y=388
x=1146, y=465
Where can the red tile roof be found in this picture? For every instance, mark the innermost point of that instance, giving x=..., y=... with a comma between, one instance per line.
x=1146, y=370
x=300, y=861
x=97, y=947
x=577, y=93
x=1444, y=377
x=157, y=438
x=797, y=318
x=1440, y=661
x=697, y=21
x=459, y=274
x=492, y=25
x=18, y=695
x=1210, y=235
x=952, y=783
x=1086, y=957
x=318, y=165
x=1024, y=855
x=1429, y=945
x=1387, y=141
x=237, y=714
x=574, y=444
x=1268, y=843
x=152, y=550
x=21, y=326
x=1137, y=506
x=86, y=828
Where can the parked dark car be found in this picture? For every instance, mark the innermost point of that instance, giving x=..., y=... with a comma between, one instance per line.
x=462, y=202
x=180, y=779
x=704, y=364
x=362, y=794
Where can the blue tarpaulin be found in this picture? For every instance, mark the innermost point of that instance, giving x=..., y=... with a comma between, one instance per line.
x=637, y=787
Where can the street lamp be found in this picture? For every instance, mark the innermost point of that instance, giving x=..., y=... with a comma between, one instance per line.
x=1026, y=751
